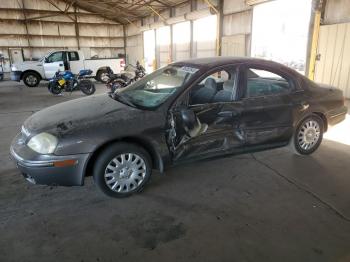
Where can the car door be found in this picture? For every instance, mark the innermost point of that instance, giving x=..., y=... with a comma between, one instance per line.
x=76, y=63
x=54, y=62
x=267, y=116
x=218, y=113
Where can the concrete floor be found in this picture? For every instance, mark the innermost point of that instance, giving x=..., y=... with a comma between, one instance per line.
x=267, y=206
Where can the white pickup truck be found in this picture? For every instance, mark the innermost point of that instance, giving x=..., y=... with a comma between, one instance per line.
x=32, y=72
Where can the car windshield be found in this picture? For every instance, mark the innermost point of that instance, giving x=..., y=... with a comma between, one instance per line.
x=157, y=87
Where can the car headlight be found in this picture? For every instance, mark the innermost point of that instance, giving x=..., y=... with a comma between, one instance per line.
x=14, y=68
x=43, y=143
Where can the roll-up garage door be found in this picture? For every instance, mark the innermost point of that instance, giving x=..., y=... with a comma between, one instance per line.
x=333, y=64
x=204, y=36
x=181, y=41
x=163, y=46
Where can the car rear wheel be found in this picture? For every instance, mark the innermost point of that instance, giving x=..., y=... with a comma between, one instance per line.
x=122, y=169
x=31, y=79
x=308, y=136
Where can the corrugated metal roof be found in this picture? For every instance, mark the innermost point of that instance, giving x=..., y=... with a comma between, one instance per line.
x=125, y=11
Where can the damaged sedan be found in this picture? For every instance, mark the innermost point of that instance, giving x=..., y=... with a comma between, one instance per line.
x=186, y=111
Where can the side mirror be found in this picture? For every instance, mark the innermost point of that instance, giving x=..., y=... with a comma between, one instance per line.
x=191, y=123
x=46, y=60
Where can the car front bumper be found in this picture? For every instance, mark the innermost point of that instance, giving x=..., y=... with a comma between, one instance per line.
x=48, y=169
x=16, y=75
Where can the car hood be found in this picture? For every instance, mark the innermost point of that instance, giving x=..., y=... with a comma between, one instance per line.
x=79, y=114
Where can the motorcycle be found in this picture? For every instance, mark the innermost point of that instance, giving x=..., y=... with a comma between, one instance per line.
x=126, y=78
x=67, y=81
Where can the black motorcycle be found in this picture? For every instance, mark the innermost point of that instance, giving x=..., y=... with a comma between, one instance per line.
x=67, y=81
x=124, y=79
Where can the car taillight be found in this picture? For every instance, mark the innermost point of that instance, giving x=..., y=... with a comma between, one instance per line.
x=122, y=63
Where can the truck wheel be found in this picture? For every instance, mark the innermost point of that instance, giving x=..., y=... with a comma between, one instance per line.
x=102, y=76
x=31, y=79
x=122, y=169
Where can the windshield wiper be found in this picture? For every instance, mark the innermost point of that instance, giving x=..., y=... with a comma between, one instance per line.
x=122, y=99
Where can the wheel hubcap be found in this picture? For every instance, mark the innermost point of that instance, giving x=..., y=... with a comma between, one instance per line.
x=125, y=172
x=31, y=80
x=104, y=77
x=309, y=134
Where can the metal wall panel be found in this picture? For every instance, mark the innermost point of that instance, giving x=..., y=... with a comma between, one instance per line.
x=238, y=23
x=235, y=6
x=182, y=9
x=333, y=67
x=56, y=31
x=234, y=45
x=337, y=11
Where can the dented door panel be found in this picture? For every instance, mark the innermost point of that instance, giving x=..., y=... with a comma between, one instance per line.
x=267, y=119
x=222, y=134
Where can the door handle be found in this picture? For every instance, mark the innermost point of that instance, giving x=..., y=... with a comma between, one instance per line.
x=225, y=114
x=228, y=114
x=303, y=106
x=60, y=64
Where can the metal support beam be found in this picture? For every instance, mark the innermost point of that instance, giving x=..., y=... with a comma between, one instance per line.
x=220, y=25
x=314, y=29
x=171, y=51
x=26, y=27
x=62, y=11
x=155, y=12
x=193, y=5
x=193, y=45
x=124, y=39
x=76, y=25
x=212, y=6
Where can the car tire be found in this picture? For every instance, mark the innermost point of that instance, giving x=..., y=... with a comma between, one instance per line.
x=31, y=79
x=118, y=175
x=101, y=76
x=308, y=136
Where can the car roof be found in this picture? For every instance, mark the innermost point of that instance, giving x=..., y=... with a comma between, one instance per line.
x=224, y=60
x=210, y=62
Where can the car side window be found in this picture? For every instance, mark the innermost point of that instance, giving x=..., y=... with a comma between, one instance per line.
x=73, y=56
x=55, y=57
x=264, y=82
x=216, y=87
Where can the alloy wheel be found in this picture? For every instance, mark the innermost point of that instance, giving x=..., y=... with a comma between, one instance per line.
x=125, y=173
x=309, y=134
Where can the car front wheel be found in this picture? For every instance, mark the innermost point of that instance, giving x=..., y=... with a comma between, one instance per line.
x=308, y=136
x=122, y=169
